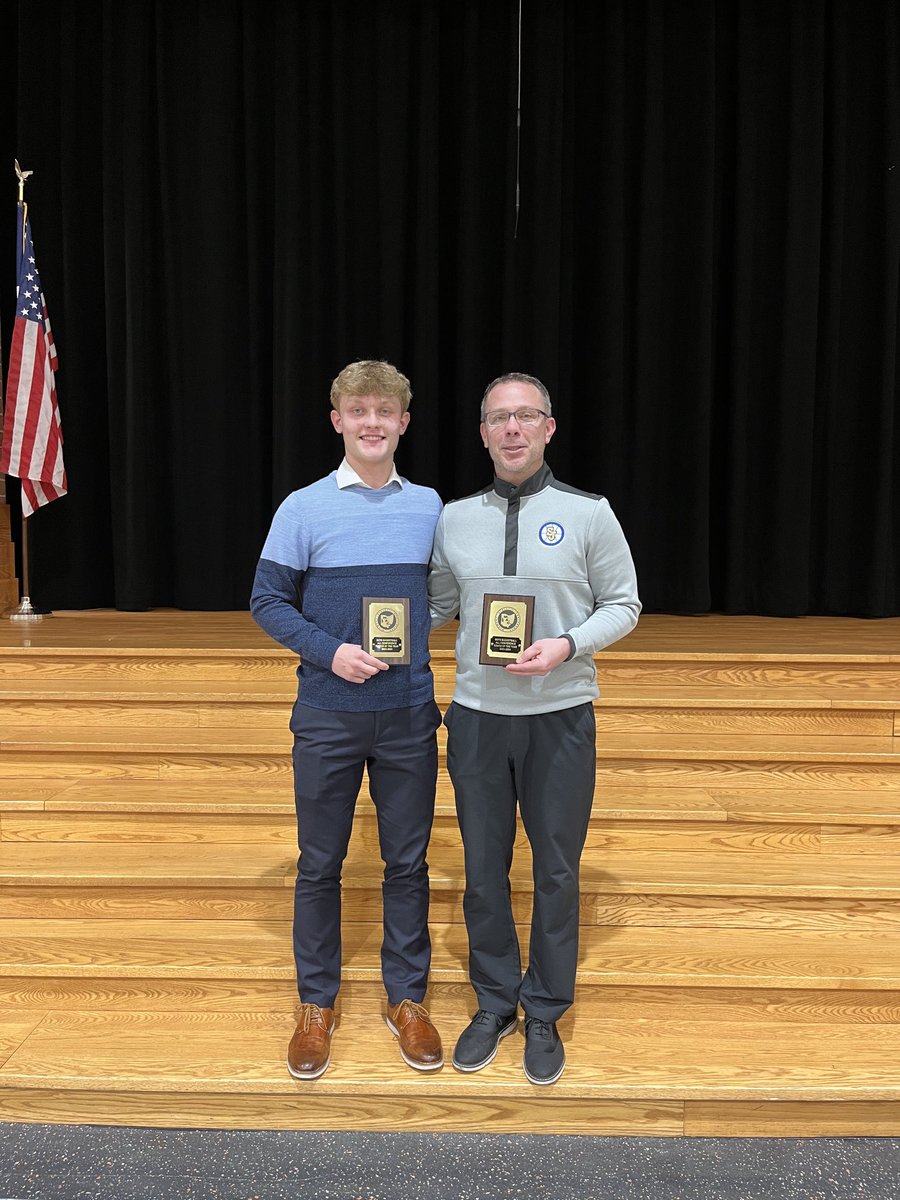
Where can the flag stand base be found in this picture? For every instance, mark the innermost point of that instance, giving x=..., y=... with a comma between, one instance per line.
x=26, y=613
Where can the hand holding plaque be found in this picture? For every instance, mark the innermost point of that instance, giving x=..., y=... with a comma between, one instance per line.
x=385, y=628
x=506, y=623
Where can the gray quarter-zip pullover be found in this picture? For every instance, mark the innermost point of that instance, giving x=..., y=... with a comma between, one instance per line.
x=541, y=538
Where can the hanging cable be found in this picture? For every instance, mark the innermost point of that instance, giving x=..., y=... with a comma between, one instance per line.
x=518, y=122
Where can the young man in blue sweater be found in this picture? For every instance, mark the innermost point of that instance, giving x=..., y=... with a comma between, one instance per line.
x=362, y=531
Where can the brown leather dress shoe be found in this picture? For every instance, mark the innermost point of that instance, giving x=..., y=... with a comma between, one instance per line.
x=420, y=1042
x=310, y=1049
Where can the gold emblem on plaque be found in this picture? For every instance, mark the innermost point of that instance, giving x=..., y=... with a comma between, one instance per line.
x=385, y=628
x=506, y=623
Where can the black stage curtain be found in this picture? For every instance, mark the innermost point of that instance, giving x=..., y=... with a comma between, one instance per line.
x=231, y=201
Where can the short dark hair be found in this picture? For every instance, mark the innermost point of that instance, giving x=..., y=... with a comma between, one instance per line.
x=517, y=377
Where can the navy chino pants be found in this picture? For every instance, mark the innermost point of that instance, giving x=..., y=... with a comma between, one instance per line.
x=399, y=748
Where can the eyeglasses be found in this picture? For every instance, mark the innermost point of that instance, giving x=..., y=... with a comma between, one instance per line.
x=524, y=416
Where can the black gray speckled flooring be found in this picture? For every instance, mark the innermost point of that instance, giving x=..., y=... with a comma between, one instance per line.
x=60, y=1162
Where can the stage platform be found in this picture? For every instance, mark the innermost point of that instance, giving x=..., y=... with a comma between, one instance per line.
x=740, y=951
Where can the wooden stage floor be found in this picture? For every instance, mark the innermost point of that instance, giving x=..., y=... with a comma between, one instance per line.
x=655, y=634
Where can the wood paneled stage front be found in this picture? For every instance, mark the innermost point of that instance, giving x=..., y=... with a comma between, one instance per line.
x=740, y=950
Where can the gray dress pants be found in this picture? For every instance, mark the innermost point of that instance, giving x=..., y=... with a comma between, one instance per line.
x=547, y=765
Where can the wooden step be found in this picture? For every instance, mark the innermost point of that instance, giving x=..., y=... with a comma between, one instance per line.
x=114, y=739
x=702, y=1005
x=155, y=828
x=282, y=689
x=798, y=805
x=147, y=692
x=805, y=637
x=609, y=908
x=656, y=636
x=268, y=708
x=632, y=1067
x=634, y=773
x=604, y=871
x=260, y=715
x=277, y=798
x=259, y=796
x=645, y=689
x=193, y=647
x=785, y=672
x=845, y=675
x=652, y=717
x=154, y=665
x=151, y=821
x=718, y=763
x=717, y=775
x=218, y=950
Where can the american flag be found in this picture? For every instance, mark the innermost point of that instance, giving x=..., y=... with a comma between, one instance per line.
x=32, y=433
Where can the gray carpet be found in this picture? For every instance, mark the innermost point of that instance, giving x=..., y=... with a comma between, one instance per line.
x=59, y=1162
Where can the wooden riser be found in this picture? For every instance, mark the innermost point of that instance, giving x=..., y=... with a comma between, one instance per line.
x=149, y=668
x=261, y=799
x=716, y=1118
x=686, y=760
x=724, y=774
x=249, y=742
x=617, y=671
x=606, y=870
x=105, y=951
x=72, y=828
x=772, y=776
x=9, y=591
x=773, y=1119
x=217, y=951
x=168, y=1109
x=652, y=911
x=255, y=796
x=269, y=719
x=794, y=674
x=152, y=828
x=448, y=1000
x=857, y=679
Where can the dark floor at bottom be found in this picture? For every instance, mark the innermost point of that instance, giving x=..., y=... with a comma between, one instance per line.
x=67, y=1162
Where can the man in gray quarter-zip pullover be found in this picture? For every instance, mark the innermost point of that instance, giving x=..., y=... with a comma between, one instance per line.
x=524, y=733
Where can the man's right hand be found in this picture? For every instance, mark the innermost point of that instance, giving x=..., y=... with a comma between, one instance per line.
x=353, y=664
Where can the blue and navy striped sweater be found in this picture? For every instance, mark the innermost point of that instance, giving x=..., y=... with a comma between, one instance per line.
x=327, y=548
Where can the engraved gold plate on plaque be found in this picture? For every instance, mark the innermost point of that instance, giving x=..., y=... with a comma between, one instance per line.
x=385, y=628
x=506, y=623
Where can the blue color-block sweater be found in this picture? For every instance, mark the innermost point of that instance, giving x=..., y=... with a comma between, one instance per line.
x=330, y=544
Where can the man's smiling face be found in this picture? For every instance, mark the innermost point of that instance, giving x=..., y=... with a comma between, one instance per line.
x=371, y=427
x=517, y=448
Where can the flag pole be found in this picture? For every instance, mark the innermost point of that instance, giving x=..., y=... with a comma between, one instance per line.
x=25, y=612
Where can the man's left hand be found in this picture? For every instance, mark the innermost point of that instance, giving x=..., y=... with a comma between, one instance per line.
x=541, y=657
